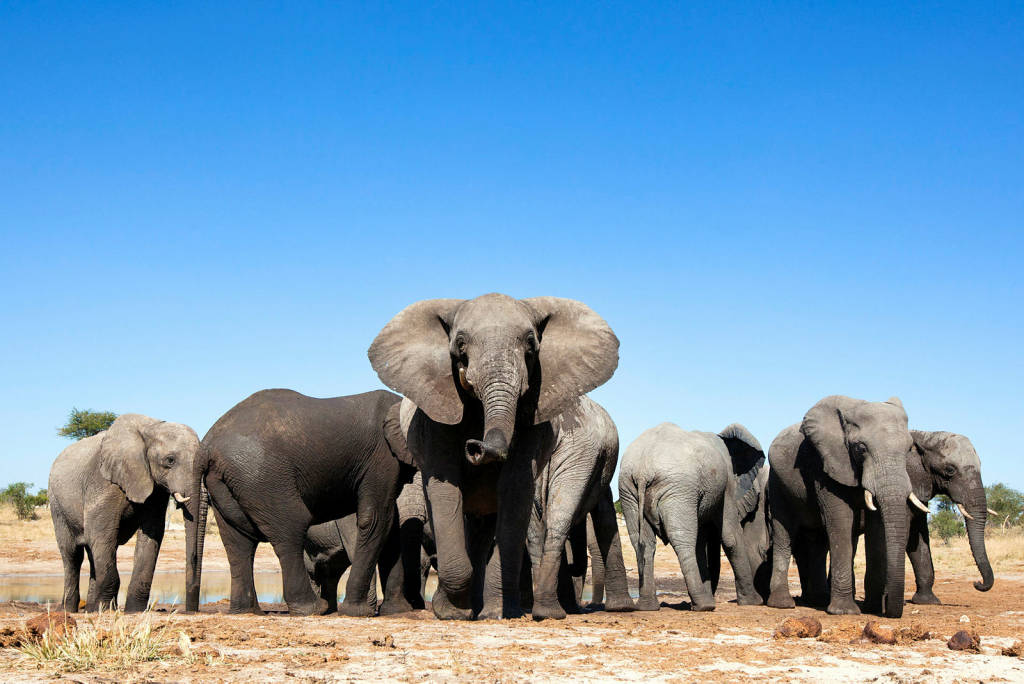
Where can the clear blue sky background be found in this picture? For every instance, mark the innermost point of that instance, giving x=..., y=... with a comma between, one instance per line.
x=768, y=204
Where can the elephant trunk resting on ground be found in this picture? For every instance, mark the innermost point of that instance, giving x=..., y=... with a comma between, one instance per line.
x=106, y=487
x=692, y=489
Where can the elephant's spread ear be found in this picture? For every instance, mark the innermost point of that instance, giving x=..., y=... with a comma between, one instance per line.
x=895, y=401
x=823, y=425
x=411, y=357
x=578, y=352
x=122, y=456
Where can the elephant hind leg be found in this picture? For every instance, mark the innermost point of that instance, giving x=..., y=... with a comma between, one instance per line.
x=241, y=550
x=680, y=514
x=609, y=556
x=779, y=595
x=72, y=559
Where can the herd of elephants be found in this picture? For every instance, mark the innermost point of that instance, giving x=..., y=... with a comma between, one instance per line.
x=492, y=466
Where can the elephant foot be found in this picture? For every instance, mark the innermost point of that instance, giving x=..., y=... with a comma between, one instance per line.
x=780, y=599
x=842, y=606
x=544, y=610
x=356, y=609
x=702, y=605
x=814, y=600
x=395, y=606
x=925, y=598
x=444, y=609
x=316, y=607
x=754, y=600
x=619, y=604
x=649, y=603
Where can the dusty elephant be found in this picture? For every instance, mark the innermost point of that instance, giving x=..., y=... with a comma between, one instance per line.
x=691, y=489
x=105, y=488
x=280, y=462
x=483, y=379
x=572, y=486
x=846, y=455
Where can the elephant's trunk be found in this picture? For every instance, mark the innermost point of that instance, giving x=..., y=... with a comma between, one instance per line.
x=195, y=537
x=893, y=509
x=500, y=400
x=978, y=509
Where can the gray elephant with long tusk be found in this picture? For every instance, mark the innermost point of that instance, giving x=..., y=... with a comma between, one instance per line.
x=105, y=488
x=847, y=456
x=939, y=463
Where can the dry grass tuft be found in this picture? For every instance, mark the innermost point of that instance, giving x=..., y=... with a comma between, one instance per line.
x=109, y=641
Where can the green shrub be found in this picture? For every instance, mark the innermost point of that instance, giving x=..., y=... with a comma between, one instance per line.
x=24, y=503
x=86, y=423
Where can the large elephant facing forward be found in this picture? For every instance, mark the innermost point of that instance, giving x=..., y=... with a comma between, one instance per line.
x=692, y=489
x=483, y=379
x=106, y=487
x=846, y=455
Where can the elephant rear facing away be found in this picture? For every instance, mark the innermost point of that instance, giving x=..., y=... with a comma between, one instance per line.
x=280, y=462
x=691, y=489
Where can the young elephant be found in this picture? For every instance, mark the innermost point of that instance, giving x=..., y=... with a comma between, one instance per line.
x=106, y=487
x=327, y=558
x=691, y=489
x=280, y=462
x=572, y=483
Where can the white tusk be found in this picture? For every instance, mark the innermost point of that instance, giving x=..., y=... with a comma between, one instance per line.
x=963, y=512
x=917, y=503
x=869, y=500
x=991, y=512
x=466, y=384
x=181, y=498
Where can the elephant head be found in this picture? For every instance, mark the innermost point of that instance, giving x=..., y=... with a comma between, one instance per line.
x=949, y=465
x=513, y=358
x=864, y=445
x=139, y=453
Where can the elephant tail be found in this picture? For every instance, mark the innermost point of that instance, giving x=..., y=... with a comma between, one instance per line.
x=641, y=489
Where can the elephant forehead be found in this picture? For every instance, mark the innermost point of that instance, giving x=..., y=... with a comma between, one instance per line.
x=492, y=310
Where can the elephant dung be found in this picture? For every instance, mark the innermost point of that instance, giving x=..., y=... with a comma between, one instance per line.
x=55, y=624
x=879, y=633
x=965, y=641
x=1016, y=650
x=799, y=628
x=915, y=632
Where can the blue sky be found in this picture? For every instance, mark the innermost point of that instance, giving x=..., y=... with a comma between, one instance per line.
x=769, y=204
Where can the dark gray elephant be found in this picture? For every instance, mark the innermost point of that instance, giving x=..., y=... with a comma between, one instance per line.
x=484, y=378
x=690, y=489
x=280, y=462
x=756, y=525
x=846, y=455
x=572, y=483
x=940, y=463
x=105, y=488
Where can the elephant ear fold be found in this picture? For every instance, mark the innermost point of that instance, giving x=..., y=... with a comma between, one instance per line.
x=823, y=425
x=747, y=463
x=122, y=456
x=411, y=356
x=395, y=436
x=578, y=352
x=895, y=401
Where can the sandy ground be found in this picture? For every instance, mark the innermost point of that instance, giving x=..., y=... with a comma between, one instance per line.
x=673, y=644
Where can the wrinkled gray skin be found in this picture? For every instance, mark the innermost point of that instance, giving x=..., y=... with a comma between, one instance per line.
x=106, y=487
x=327, y=558
x=940, y=463
x=757, y=535
x=821, y=473
x=691, y=489
x=572, y=482
x=483, y=379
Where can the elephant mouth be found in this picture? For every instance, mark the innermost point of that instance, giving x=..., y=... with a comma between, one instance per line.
x=181, y=499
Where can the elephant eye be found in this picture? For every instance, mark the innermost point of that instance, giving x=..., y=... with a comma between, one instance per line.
x=949, y=470
x=460, y=344
x=169, y=461
x=531, y=344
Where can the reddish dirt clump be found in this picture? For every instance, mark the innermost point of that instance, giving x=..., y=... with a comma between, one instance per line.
x=56, y=624
x=878, y=633
x=799, y=628
x=964, y=641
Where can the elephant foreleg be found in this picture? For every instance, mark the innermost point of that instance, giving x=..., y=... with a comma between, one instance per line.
x=597, y=569
x=920, y=552
x=732, y=537
x=839, y=525
x=391, y=568
x=515, y=497
x=147, y=548
x=452, y=601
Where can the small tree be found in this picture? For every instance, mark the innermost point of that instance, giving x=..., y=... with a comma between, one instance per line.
x=86, y=423
x=1008, y=504
x=24, y=503
x=944, y=523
